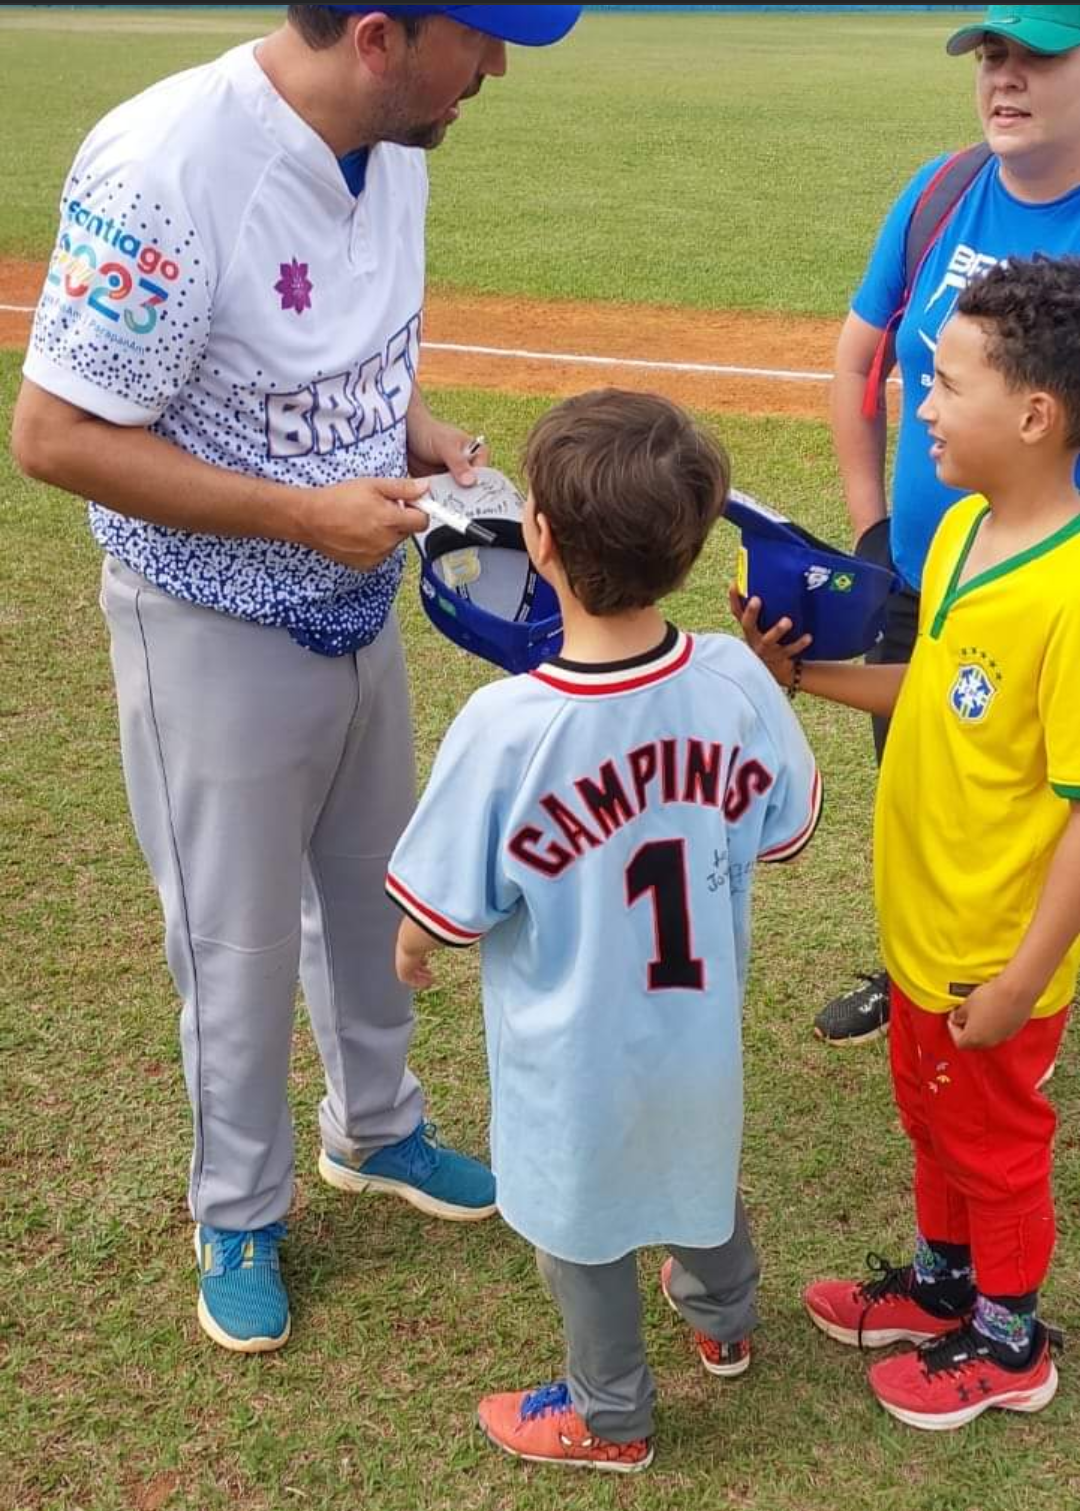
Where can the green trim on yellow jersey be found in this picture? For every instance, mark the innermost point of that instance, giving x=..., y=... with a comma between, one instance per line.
x=981, y=766
x=951, y=593
x=1003, y=568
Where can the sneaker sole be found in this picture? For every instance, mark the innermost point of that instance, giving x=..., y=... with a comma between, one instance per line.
x=605, y=1466
x=850, y=1040
x=725, y=1371
x=226, y=1340
x=722, y=1371
x=1021, y=1400
x=239, y=1345
x=355, y=1183
x=872, y=1337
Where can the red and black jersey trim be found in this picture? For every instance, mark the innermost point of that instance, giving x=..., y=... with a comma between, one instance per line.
x=604, y=680
x=432, y=922
x=792, y=847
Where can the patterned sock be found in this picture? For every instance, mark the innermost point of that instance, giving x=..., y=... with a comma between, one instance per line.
x=1008, y=1325
x=944, y=1283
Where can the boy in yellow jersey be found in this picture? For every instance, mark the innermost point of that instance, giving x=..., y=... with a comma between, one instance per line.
x=977, y=857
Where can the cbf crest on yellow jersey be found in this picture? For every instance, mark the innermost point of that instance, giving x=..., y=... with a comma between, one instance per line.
x=982, y=762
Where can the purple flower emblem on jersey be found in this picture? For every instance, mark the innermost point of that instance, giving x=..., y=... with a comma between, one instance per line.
x=294, y=286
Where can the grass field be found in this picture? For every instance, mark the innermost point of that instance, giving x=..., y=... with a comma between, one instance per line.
x=740, y=162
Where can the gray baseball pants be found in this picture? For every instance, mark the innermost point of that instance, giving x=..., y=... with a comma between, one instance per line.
x=268, y=787
x=606, y=1369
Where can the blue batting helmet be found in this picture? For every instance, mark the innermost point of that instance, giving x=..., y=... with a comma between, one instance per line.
x=835, y=597
x=489, y=599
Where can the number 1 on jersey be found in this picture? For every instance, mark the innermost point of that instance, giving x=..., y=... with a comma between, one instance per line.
x=660, y=868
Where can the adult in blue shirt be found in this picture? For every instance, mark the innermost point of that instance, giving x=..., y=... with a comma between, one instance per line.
x=1025, y=200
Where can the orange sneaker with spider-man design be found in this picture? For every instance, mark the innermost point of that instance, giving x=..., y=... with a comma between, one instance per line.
x=543, y=1427
x=727, y=1360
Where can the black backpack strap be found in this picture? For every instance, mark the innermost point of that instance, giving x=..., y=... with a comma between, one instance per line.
x=932, y=209
x=936, y=203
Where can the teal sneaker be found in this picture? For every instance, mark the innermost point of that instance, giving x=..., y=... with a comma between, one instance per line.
x=439, y=1181
x=242, y=1301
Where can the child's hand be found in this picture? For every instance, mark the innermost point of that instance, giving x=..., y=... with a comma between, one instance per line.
x=411, y=964
x=992, y=1014
x=765, y=644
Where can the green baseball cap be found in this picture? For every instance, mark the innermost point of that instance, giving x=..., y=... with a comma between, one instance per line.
x=1040, y=28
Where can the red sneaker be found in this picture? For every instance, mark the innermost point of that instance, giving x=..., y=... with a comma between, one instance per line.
x=543, y=1427
x=875, y=1313
x=951, y=1381
x=726, y=1359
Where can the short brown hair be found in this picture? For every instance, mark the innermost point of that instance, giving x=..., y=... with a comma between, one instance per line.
x=321, y=26
x=631, y=487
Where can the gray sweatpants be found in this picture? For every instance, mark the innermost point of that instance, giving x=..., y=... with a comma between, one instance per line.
x=268, y=786
x=609, y=1379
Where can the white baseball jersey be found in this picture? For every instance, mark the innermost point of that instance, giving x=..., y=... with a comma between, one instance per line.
x=598, y=828
x=216, y=280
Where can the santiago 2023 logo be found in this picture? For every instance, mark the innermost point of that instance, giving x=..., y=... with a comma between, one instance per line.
x=119, y=291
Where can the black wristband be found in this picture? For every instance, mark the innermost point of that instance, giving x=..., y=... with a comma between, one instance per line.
x=792, y=689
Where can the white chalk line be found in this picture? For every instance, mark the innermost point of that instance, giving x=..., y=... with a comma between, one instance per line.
x=713, y=369
x=581, y=359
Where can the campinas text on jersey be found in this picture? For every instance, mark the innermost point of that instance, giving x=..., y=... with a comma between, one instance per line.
x=661, y=771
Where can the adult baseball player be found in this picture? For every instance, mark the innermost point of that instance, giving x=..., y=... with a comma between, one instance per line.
x=224, y=360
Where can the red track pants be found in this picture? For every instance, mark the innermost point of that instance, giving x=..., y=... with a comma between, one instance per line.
x=983, y=1137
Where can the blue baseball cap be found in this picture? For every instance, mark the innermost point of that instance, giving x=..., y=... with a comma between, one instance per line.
x=837, y=598
x=487, y=598
x=528, y=25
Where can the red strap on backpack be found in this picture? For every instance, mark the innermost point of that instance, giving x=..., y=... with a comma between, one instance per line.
x=928, y=219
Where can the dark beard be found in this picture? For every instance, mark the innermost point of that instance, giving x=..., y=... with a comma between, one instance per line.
x=430, y=134
x=425, y=137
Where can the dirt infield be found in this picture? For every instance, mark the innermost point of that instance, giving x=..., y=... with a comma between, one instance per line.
x=568, y=329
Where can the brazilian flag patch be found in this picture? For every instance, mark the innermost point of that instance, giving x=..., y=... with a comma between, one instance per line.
x=842, y=582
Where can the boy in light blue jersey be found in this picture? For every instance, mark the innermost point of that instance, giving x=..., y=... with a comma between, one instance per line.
x=596, y=824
